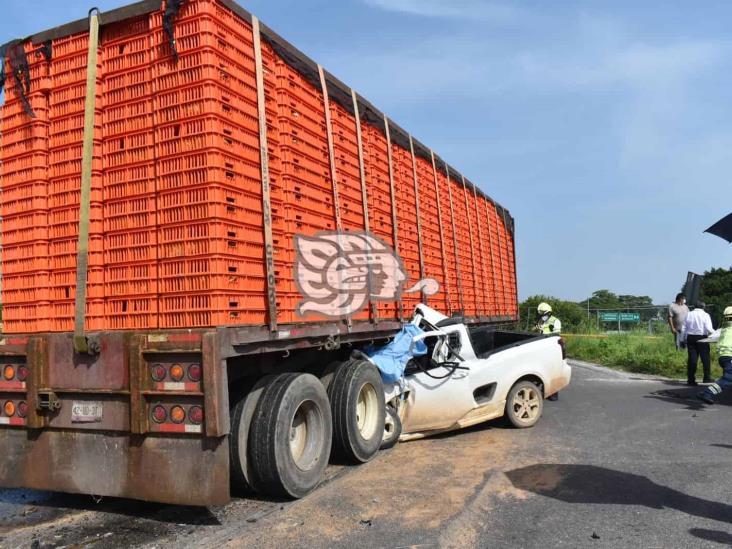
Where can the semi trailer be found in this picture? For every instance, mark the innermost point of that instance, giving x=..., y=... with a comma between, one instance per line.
x=201, y=228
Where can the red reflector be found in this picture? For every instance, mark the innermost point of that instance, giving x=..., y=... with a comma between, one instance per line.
x=177, y=414
x=22, y=409
x=157, y=371
x=195, y=414
x=159, y=414
x=176, y=372
x=23, y=373
x=194, y=372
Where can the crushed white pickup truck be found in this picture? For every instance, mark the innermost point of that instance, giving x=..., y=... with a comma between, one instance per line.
x=456, y=376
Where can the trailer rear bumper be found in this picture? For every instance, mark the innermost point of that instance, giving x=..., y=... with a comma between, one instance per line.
x=167, y=469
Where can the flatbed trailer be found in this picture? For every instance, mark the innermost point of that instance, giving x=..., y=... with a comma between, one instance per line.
x=182, y=415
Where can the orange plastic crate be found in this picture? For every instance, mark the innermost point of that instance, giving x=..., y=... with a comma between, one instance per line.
x=62, y=315
x=131, y=279
x=26, y=318
x=209, y=202
x=129, y=313
x=215, y=273
x=130, y=246
x=212, y=309
x=211, y=237
x=207, y=98
x=133, y=213
x=24, y=198
x=26, y=288
x=66, y=192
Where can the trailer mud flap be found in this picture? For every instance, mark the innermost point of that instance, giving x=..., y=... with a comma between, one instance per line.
x=167, y=469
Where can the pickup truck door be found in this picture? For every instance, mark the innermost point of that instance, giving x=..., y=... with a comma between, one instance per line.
x=438, y=403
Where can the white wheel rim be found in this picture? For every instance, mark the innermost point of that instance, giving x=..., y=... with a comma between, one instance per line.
x=305, y=430
x=526, y=404
x=367, y=411
x=298, y=434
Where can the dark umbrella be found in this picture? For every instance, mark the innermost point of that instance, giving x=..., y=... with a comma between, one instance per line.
x=722, y=228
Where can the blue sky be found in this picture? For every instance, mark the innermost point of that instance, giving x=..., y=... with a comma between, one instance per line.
x=605, y=127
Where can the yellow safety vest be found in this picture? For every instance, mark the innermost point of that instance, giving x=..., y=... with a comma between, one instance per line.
x=725, y=341
x=548, y=326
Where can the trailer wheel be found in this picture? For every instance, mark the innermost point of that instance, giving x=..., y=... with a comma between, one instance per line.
x=357, y=403
x=524, y=404
x=392, y=428
x=290, y=436
x=241, y=420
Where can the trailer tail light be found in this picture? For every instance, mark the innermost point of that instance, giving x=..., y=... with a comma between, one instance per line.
x=8, y=372
x=194, y=372
x=195, y=415
x=9, y=409
x=157, y=372
x=22, y=409
x=176, y=372
x=23, y=373
x=177, y=414
x=159, y=414
x=563, y=345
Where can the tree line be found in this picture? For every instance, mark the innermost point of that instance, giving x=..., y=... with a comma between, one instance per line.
x=716, y=292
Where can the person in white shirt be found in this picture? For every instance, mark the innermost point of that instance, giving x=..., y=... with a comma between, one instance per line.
x=698, y=325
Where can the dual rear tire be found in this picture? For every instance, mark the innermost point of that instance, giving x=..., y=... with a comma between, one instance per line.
x=285, y=427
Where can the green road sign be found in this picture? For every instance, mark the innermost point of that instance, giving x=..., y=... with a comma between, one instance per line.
x=630, y=318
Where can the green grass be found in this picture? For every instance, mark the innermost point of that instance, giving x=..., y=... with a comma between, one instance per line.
x=636, y=353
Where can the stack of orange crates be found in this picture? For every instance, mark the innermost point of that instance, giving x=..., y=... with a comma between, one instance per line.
x=26, y=269
x=176, y=235
x=68, y=72
x=129, y=192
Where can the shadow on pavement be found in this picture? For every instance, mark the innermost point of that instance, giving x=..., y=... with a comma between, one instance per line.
x=686, y=396
x=712, y=535
x=729, y=446
x=591, y=484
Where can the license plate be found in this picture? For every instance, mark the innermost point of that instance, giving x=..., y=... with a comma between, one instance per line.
x=87, y=412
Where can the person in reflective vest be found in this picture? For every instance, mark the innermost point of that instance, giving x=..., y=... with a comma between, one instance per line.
x=724, y=383
x=548, y=323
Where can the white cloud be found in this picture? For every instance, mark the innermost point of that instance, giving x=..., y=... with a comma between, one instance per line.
x=453, y=9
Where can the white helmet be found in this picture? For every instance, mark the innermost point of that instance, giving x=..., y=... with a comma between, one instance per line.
x=728, y=313
x=544, y=308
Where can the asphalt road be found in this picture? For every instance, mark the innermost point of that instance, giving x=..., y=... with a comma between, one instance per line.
x=619, y=461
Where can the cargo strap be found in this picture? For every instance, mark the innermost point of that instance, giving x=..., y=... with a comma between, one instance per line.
x=266, y=190
x=171, y=12
x=392, y=192
x=365, y=200
x=333, y=174
x=456, y=253
x=422, y=273
x=480, y=250
x=472, y=245
x=20, y=70
x=82, y=260
x=443, y=251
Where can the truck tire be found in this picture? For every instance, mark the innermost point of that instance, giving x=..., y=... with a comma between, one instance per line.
x=290, y=436
x=357, y=405
x=392, y=428
x=241, y=420
x=524, y=404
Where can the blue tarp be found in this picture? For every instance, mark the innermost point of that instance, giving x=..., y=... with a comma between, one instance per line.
x=392, y=359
